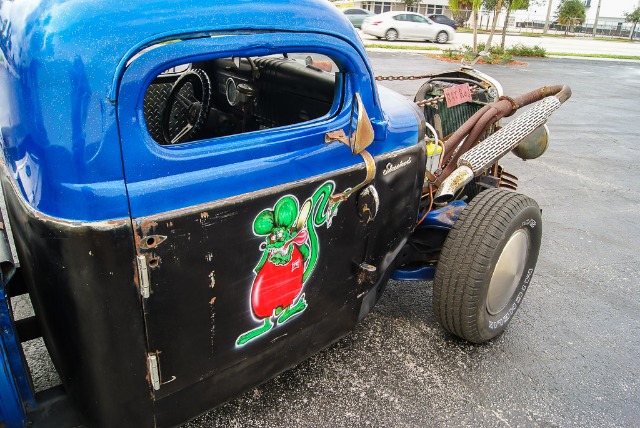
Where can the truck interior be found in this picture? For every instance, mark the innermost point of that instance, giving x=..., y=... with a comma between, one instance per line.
x=227, y=96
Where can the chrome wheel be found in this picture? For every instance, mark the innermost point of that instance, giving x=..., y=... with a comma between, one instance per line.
x=508, y=272
x=391, y=35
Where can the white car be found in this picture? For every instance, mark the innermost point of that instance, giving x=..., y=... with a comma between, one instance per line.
x=406, y=25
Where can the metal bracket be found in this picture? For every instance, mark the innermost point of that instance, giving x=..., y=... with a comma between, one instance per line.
x=370, y=165
x=143, y=276
x=154, y=371
x=337, y=135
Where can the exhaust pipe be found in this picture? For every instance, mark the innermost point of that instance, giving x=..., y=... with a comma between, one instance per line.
x=477, y=160
x=454, y=182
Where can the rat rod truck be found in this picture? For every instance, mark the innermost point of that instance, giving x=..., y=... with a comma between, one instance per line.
x=199, y=195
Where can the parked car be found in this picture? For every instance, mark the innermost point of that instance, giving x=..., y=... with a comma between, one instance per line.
x=443, y=19
x=357, y=16
x=406, y=26
x=214, y=193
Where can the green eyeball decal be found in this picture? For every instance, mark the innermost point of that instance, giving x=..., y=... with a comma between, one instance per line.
x=264, y=223
x=286, y=211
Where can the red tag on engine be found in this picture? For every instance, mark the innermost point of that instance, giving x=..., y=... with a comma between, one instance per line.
x=457, y=95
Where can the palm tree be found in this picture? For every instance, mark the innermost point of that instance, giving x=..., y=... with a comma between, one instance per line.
x=569, y=12
x=496, y=11
x=633, y=17
x=457, y=5
x=512, y=5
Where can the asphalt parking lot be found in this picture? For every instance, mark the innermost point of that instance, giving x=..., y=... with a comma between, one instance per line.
x=569, y=358
x=571, y=355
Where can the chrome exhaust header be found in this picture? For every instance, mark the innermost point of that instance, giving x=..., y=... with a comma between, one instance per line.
x=479, y=158
x=454, y=182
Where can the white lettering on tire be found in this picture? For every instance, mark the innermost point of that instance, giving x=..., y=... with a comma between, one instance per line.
x=505, y=318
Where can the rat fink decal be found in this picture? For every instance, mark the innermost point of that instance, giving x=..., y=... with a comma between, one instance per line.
x=289, y=255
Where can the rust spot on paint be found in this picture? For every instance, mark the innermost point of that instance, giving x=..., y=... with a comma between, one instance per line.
x=450, y=216
x=213, y=299
x=212, y=279
x=204, y=215
x=447, y=216
x=137, y=239
x=147, y=225
x=136, y=280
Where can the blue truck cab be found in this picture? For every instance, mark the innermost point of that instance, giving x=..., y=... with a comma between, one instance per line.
x=199, y=195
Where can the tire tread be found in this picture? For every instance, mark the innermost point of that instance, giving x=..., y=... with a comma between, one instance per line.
x=466, y=255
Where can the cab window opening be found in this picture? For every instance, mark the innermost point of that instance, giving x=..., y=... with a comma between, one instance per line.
x=227, y=96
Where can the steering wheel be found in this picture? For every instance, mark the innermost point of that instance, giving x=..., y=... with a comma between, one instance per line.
x=187, y=107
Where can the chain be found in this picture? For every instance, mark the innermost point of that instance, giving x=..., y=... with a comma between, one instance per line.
x=433, y=102
x=425, y=76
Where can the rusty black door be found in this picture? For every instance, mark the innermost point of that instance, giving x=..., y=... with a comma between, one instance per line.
x=247, y=261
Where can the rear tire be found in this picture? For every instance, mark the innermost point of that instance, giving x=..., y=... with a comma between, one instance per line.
x=442, y=37
x=486, y=264
x=391, y=35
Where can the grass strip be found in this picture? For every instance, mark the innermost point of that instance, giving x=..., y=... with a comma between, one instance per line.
x=575, y=36
x=435, y=48
x=586, y=55
x=552, y=35
x=403, y=47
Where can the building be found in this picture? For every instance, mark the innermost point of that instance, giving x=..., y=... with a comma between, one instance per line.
x=425, y=7
x=611, y=19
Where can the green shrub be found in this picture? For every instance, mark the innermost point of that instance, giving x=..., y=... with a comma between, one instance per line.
x=451, y=53
x=495, y=50
x=523, y=50
x=497, y=55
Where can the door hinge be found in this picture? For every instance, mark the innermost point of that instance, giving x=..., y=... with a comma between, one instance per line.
x=154, y=372
x=367, y=274
x=143, y=277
